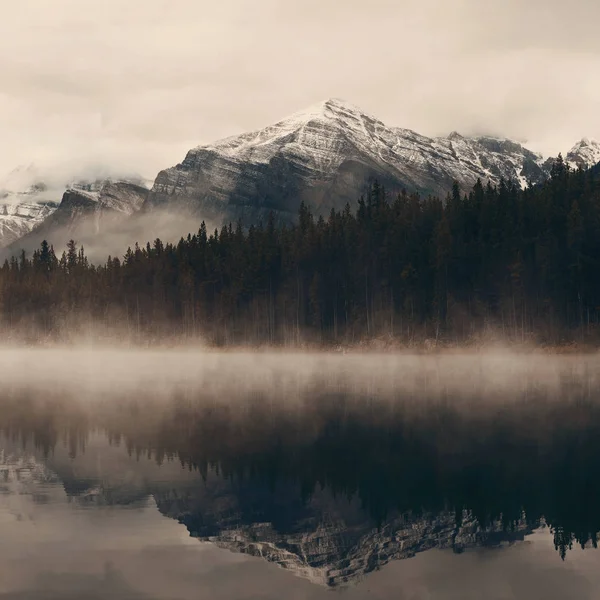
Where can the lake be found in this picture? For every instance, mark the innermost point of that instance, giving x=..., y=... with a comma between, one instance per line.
x=187, y=474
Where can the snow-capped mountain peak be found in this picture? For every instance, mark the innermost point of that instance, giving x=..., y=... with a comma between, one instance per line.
x=584, y=154
x=300, y=129
x=325, y=155
x=330, y=108
x=25, y=201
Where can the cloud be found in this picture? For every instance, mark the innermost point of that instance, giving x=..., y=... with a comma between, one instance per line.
x=134, y=85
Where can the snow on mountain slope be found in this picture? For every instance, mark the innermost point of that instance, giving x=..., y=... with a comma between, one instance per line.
x=24, y=204
x=98, y=198
x=86, y=210
x=18, y=219
x=324, y=156
x=302, y=136
x=28, y=197
x=584, y=154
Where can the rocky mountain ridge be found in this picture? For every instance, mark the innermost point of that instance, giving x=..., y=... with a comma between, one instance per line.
x=27, y=201
x=326, y=155
x=86, y=209
x=18, y=219
x=584, y=154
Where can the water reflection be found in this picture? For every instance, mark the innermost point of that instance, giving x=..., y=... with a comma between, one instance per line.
x=327, y=479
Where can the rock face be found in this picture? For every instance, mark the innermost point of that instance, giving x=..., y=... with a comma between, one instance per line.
x=100, y=200
x=29, y=199
x=584, y=154
x=85, y=211
x=325, y=156
x=18, y=218
x=25, y=201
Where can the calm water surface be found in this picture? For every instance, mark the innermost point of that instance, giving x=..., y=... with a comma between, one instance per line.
x=182, y=475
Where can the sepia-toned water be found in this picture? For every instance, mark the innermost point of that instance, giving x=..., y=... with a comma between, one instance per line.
x=175, y=475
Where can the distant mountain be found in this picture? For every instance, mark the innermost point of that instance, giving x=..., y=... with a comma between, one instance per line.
x=98, y=200
x=326, y=155
x=584, y=154
x=29, y=197
x=18, y=218
x=25, y=201
x=85, y=211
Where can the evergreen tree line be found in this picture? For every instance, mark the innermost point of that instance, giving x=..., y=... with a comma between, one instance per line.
x=519, y=263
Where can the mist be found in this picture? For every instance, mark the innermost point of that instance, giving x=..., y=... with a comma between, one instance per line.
x=54, y=176
x=112, y=234
x=293, y=377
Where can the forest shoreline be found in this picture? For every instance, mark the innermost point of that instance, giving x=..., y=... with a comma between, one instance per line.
x=371, y=346
x=496, y=267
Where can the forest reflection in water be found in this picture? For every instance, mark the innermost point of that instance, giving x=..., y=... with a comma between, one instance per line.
x=328, y=466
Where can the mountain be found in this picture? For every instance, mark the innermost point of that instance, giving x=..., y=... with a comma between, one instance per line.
x=584, y=154
x=100, y=200
x=18, y=216
x=85, y=211
x=325, y=156
x=30, y=195
x=25, y=202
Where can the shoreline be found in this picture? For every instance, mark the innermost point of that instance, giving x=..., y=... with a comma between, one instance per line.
x=373, y=346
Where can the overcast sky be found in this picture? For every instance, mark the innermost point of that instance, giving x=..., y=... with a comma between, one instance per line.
x=134, y=84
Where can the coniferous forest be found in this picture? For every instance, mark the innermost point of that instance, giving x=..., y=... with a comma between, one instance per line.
x=518, y=265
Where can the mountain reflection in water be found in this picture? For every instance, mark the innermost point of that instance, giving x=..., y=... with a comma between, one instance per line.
x=323, y=472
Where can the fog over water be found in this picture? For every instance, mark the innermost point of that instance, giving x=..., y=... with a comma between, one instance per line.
x=460, y=375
